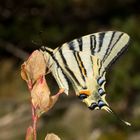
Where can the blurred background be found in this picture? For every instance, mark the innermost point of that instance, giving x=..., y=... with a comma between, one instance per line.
x=26, y=25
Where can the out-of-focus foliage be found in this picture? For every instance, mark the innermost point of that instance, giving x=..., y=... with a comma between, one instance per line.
x=27, y=25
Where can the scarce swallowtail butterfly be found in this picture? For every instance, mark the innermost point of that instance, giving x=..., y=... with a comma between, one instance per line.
x=84, y=62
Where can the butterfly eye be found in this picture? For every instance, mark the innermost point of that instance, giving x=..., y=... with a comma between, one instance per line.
x=82, y=96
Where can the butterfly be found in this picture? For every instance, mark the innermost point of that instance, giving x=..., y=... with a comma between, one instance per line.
x=84, y=61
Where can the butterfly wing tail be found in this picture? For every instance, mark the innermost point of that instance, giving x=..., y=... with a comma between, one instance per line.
x=108, y=109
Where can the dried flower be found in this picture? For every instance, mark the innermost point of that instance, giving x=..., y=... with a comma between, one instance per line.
x=52, y=136
x=33, y=72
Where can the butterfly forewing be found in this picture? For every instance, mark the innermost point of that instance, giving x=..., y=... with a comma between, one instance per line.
x=53, y=63
x=73, y=67
x=107, y=46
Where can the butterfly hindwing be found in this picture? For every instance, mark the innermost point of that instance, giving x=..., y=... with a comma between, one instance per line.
x=83, y=71
x=73, y=67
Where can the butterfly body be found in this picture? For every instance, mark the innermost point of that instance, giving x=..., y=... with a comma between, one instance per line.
x=84, y=62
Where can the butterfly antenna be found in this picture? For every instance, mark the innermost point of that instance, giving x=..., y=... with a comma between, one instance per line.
x=35, y=43
x=108, y=109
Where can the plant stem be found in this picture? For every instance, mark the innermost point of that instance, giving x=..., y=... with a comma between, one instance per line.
x=34, y=115
x=34, y=118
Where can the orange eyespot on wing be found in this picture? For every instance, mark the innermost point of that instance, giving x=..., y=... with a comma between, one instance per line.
x=83, y=94
x=87, y=92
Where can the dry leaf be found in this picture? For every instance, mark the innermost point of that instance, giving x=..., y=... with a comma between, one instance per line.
x=29, y=134
x=52, y=136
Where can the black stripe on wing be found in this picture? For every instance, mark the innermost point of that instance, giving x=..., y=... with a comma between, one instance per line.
x=118, y=54
x=92, y=43
x=101, y=39
x=114, y=45
x=67, y=68
x=71, y=45
x=78, y=59
x=109, y=45
x=80, y=42
x=57, y=63
x=82, y=64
